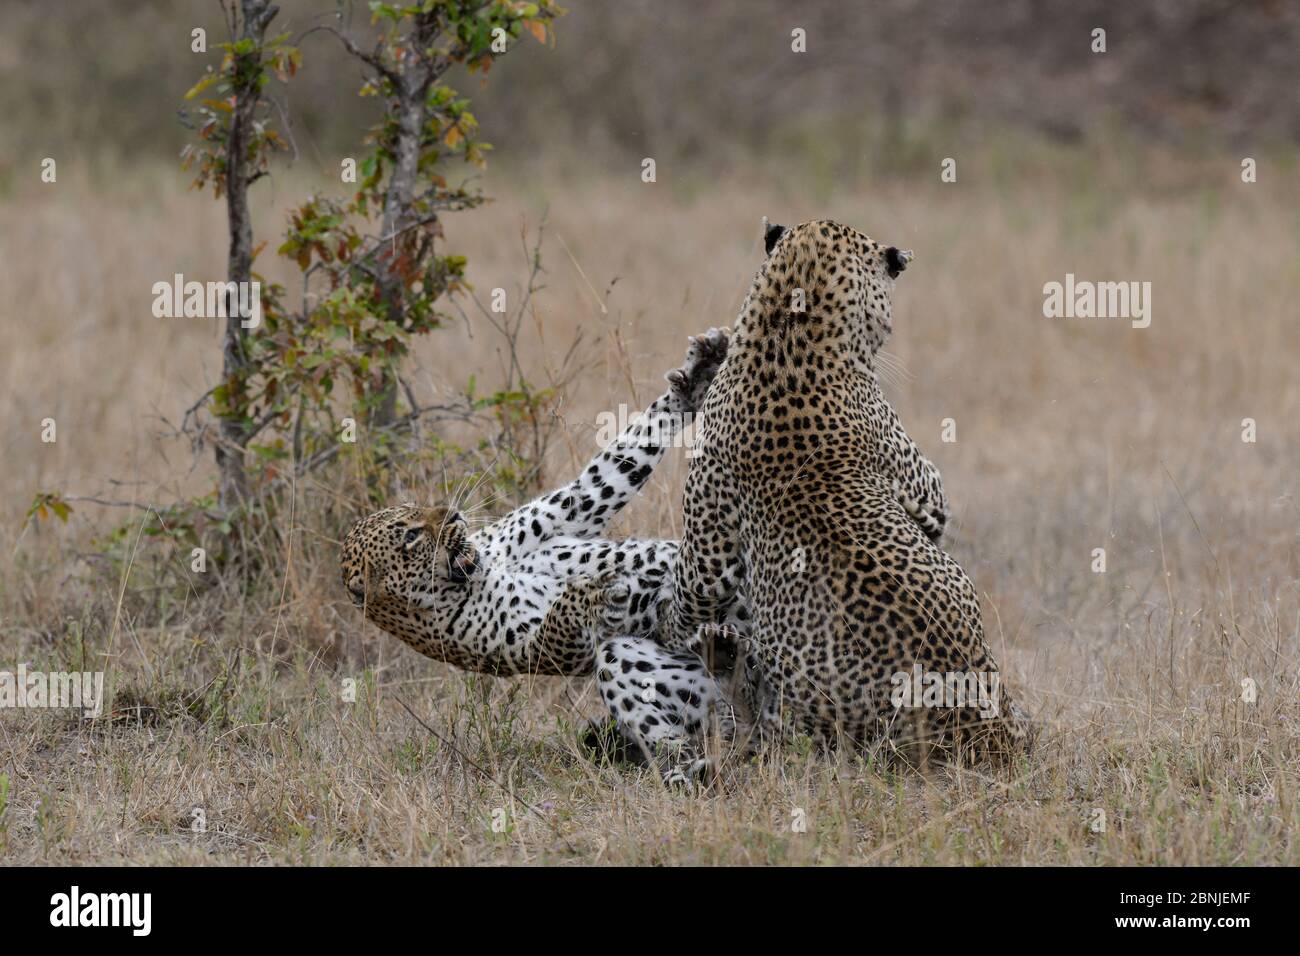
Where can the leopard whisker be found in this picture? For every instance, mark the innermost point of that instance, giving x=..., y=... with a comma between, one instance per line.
x=893, y=369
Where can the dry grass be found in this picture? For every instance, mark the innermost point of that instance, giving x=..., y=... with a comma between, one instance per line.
x=1072, y=435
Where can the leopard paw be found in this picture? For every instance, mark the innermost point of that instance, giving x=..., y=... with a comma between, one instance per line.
x=613, y=614
x=608, y=600
x=704, y=357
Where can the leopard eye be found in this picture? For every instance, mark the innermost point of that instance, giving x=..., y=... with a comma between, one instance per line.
x=411, y=535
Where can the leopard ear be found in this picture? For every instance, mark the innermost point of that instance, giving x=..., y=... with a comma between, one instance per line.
x=896, y=260
x=772, y=234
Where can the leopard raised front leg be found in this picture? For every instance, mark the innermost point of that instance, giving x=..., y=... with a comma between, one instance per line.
x=916, y=480
x=583, y=508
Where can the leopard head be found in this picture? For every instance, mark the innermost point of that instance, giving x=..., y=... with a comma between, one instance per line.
x=842, y=279
x=397, y=558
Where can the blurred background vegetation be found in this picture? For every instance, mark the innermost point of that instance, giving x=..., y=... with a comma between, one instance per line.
x=706, y=83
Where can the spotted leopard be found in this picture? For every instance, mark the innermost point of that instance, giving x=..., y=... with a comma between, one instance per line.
x=540, y=592
x=793, y=463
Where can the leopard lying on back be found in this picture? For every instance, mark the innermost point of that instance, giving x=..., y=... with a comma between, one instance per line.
x=540, y=592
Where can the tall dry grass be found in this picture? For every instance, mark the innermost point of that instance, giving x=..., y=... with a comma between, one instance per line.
x=1071, y=435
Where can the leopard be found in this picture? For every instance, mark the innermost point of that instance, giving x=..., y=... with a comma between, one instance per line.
x=541, y=592
x=791, y=502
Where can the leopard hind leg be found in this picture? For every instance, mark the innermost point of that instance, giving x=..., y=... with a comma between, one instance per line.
x=662, y=703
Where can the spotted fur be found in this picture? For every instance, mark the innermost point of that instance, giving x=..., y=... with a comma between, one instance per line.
x=540, y=592
x=794, y=498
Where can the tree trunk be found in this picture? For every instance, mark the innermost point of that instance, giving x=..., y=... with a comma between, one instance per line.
x=399, y=201
x=255, y=16
x=397, y=215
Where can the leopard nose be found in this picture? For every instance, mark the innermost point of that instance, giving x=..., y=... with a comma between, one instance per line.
x=357, y=588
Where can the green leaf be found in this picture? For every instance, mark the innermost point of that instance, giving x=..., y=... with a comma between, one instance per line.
x=202, y=85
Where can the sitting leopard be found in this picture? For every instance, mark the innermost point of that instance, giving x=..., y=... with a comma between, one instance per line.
x=791, y=465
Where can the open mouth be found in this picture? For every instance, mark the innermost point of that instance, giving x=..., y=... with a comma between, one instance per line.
x=358, y=596
x=463, y=566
